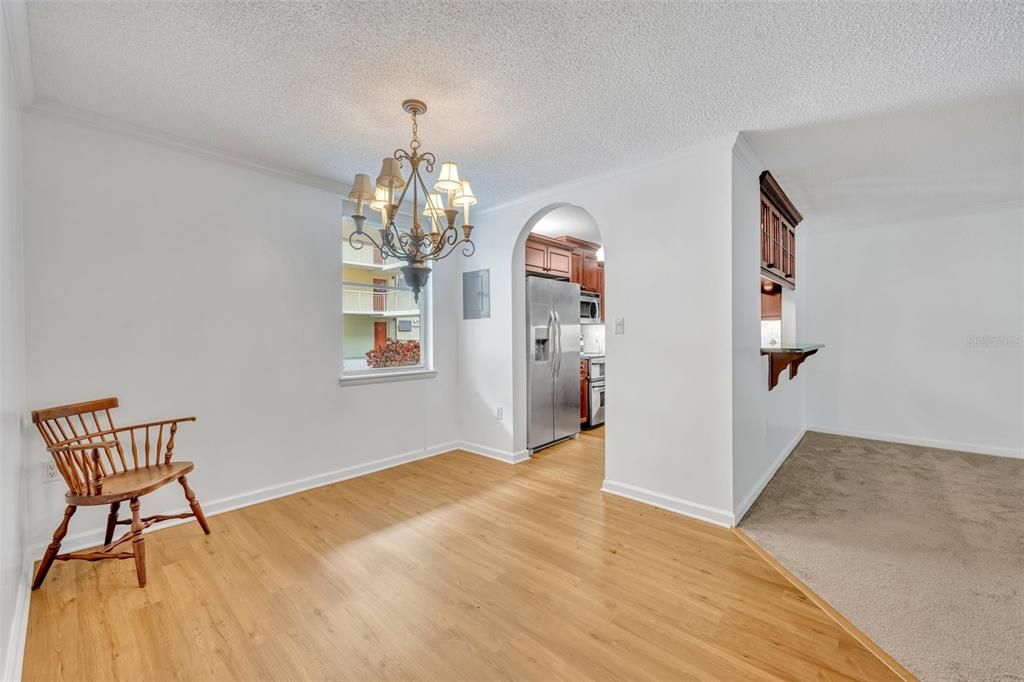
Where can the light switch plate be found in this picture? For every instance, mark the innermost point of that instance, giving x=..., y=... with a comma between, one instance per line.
x=620, y=325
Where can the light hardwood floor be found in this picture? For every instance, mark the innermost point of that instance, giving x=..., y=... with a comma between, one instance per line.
x=454, y=567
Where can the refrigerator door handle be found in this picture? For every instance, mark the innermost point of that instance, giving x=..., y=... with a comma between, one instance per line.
x=551, y=339
x=558, y=347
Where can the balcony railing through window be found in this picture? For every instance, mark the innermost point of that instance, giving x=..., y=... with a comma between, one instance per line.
x=371, y=299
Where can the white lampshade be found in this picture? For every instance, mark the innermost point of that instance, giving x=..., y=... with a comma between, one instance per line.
x=391, y=174
x=434, y=205
x=448, y=178
x=361, y=188
x=380, y=198
x=464, y=195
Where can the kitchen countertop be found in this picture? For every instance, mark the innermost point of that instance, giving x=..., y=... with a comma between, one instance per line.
x=590, y=356
x=795, y=348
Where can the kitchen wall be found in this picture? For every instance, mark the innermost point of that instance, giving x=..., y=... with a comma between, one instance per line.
x=195, y=286
x=924, y=323
x=766, y=425
x=13, y=584
x=668, y=436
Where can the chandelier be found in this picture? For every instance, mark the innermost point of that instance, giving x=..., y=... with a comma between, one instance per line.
x=417, y=245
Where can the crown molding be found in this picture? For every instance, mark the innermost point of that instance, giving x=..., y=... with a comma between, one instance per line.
x=16, y=23
x=47, y=108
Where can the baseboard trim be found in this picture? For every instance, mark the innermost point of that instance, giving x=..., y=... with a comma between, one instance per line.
x=500, y=455
x=758, y=488
x=94, y=536
x=839, y=618
x=15, y=654
x=676, y=505
x=995, y=451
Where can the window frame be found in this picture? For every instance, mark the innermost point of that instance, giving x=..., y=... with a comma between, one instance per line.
x=371, y=375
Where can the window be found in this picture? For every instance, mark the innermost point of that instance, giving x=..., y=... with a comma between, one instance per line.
x=385, y=331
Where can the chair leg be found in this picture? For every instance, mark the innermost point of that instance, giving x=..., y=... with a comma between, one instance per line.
x=138, y=543
x=53, y=547
x=193, y=503
x=111, y=522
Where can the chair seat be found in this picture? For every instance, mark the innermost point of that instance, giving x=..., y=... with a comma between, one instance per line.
x=133, y=483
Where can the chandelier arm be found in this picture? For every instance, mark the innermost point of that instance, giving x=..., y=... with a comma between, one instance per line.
x=358, y=244
x=426, y=192
x=391, y=238
x=444, y=238
x=404, y=241
x=428, y=161
x=469, y=249
x=447, y=244
x=391, y=243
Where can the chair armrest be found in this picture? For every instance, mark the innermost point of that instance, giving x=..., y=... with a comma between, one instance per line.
x=146, y=425
x=163, y=449
x=75, y=445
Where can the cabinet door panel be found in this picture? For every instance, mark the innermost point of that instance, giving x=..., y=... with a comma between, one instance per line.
x=559, y=261
x=576, y=277
x=590, y=272
x=536, y=257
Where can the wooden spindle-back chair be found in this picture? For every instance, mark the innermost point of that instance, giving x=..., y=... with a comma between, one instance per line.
x=100, y=469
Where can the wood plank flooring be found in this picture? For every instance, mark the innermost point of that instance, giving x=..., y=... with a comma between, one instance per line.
x=451, y=568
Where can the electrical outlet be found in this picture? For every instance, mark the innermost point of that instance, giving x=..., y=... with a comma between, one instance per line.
x=50, y=473
x=499, y=413
x=620, y=325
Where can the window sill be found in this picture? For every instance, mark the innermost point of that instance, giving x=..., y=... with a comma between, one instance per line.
x=386, y=377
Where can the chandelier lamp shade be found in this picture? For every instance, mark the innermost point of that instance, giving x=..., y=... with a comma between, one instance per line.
x=388, y=194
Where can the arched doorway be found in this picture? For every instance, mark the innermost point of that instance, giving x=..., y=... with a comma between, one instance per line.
x=554, y=221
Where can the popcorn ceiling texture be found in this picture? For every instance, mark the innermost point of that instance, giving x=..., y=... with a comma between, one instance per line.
x=525, y=94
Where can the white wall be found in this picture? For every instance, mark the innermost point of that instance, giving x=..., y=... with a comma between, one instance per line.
x=668, y=431
x=12, y=327
x=766, y=424
x=897, y=306
x=189, y=286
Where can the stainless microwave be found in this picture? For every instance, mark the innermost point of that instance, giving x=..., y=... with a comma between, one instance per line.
x=590, y=307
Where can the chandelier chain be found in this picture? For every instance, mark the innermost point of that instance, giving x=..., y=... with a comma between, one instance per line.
x=415, y=144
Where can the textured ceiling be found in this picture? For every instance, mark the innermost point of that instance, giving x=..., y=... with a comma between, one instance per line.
x=527, y=94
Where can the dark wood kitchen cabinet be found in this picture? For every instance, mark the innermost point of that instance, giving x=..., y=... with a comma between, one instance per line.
x=546, y=256
x=779, y=219
x=584, y=269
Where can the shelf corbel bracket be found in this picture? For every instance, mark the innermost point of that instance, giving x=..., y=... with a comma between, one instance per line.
x=780, y=361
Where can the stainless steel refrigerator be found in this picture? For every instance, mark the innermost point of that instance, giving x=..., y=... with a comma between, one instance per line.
x=553, y=362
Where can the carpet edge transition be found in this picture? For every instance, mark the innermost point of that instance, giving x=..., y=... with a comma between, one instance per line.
x=841, y=620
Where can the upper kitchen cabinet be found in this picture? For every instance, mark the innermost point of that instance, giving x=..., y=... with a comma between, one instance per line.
x=546, y=256
x=779, y=219
x=584, y=269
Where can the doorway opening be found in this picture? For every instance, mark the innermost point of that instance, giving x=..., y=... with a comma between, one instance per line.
x=559, y=330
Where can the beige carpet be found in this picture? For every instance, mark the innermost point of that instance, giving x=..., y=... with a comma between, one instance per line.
x=922, y=549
